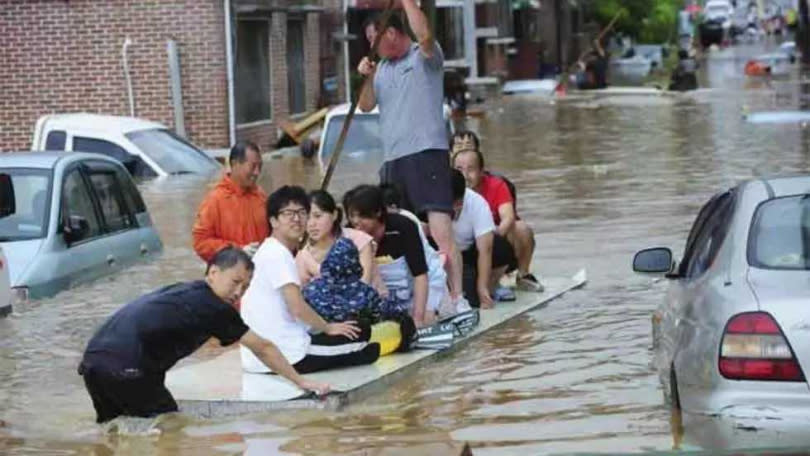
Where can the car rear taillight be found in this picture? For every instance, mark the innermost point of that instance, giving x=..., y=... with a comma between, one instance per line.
x=754, y=348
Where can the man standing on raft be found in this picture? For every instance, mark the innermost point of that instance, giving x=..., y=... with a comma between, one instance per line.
x=407, y=84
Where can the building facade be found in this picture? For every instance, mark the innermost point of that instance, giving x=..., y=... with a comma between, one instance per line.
x=85, y=55
x=489, y=41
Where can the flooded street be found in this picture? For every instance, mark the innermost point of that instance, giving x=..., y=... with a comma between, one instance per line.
x=598, y=179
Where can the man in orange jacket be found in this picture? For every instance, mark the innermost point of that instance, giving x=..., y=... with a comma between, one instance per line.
x=233, y=213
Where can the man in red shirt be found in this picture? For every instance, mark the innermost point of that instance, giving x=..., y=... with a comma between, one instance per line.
x=496, y=190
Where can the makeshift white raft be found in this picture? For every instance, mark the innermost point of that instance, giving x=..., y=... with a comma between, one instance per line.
x=636, y=91
x=219, y=387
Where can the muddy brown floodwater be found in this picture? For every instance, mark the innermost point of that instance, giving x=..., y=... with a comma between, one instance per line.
x=598, y=180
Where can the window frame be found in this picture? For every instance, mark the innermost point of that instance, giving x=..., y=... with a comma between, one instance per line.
x=750, y=247
x=100, y=167
x=46, y=229
x=98, y=140
x=128, y=186
x=64, y=140
x=130, y=158
x=79, y=168
x=715, y=215
x=266, y=19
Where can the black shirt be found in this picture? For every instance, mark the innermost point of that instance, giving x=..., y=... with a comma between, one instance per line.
x=149, y=335
x=401, y=238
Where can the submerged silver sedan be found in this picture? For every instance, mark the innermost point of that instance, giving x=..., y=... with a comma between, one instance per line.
x=67, y=218
x=732, y=338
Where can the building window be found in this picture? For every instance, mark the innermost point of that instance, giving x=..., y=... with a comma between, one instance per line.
x=252, y=70
x=504, y=18
x=55, y=140
x=498, y=14
x=526, y=24
x=450, y=32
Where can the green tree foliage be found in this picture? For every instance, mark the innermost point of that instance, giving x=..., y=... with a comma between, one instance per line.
x=647, y=21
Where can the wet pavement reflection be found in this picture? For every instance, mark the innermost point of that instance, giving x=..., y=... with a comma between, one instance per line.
x=598, y=178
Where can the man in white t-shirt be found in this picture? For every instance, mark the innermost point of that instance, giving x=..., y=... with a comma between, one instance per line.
x=485, y=254
x=275, y=309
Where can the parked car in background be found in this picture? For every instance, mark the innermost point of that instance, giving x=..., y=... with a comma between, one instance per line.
x=147, y=149
x=76, y=217
x=732, y=338
x=363, y=141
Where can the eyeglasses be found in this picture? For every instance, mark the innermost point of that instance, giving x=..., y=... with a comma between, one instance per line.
x=291, y=213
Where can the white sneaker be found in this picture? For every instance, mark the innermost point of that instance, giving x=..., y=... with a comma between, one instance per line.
x=447, y=307
x=462, y=305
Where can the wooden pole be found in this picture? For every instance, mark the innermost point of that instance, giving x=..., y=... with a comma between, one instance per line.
x=327, y=177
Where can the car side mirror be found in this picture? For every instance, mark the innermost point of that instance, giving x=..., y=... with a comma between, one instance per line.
x=654, y=260
x=75, y=229
x=7, y=199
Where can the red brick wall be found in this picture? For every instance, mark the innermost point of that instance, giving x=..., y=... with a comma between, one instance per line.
x=65, y=56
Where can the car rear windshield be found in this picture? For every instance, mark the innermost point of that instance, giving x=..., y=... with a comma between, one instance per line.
x=31, y=188
x=362, y=141
x=173, y=154
x=780, y=234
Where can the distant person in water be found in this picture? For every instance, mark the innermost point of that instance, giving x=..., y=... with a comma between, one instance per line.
x=593, y=69
x=125, y=362
x=684, y=77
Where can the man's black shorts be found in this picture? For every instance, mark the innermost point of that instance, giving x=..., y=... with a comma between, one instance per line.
x=117, y=395
x=503, y=254
x=423, y=179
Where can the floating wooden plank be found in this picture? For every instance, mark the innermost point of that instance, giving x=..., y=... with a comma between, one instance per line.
x=298, y=131
x=219, y=387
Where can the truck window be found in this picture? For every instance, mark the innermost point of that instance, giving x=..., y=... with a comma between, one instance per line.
x=134, y=164
x=99, y=146
x=55, y=140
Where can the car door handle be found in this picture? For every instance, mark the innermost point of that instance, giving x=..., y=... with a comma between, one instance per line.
x=144, y=249
x=110, y=259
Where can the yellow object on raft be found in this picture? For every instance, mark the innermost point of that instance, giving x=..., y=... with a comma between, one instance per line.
x=388, y=335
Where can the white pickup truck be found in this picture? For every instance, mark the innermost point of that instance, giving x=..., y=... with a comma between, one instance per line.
x=147, y=149
x=363, y=146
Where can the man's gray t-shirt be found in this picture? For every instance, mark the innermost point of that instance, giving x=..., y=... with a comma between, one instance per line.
x=410, y=93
